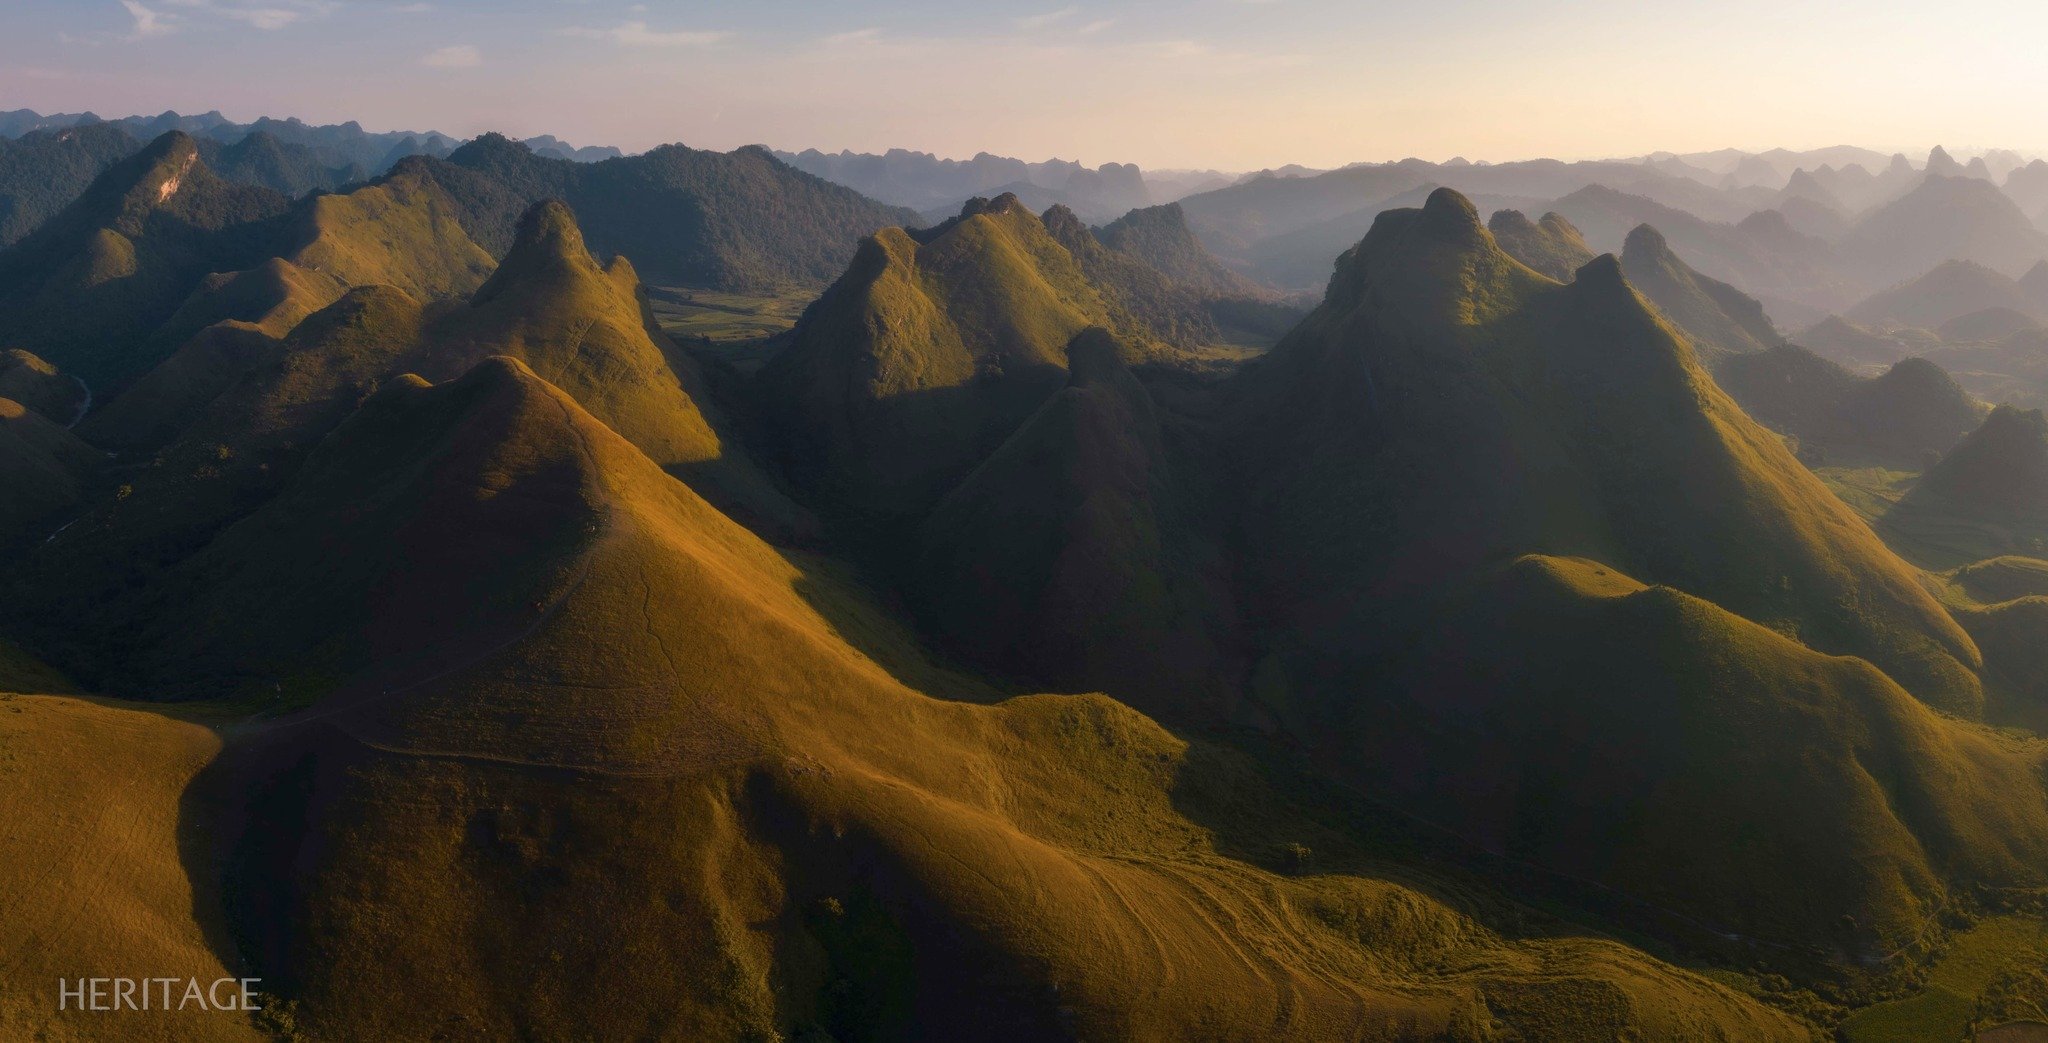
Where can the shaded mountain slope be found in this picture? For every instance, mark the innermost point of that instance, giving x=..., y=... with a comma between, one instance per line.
x=41, y=173
x=1720, y=319
x=43, y=469
x=1080, y=539
x=1681, y=797
x=926, y=355
x=1141, y=299
x=121, y=258
x=1944, y=293
x=29, y=380
x=784, y=839
x=1160, y=237
x=739, y=220
x=1845, y=342
x=1552, y=420
x=1551, y=246
x=1943, y=219
x=1998, y=474
x=1901, y=419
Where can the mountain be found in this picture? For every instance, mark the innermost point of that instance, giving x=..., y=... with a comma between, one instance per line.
x=1993, y=323
x=1997, y=474
x=1761, y=255
x=1943, y=219
x=1432, y=277
x=1552, y=246
x=924, y=182
x=1941, y=164
x=1160, y=237
x=1446, y=414
x=1845, y=342
x=30, y=381
x=1948, y=291
x=120, y=258
x=1902, y=419
x=927, y=354
x=738, y=220
x=1804, y=187
x=43, y=171
x=2028, y=186
x=729, y=759
x=261, y=159
x=1718, y=317
x=332, y=145
x=44, y=469
x=555, y=148
x=1080, y=538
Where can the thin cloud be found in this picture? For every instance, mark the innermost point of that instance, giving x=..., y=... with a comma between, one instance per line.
x=147, y=22
x=454, y=56
x=857, y=36
x=1040, y=21
x=1095, y=26
x=268, y=16
x=637, y=34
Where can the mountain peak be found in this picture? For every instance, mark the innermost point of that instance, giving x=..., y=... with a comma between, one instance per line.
x=548, y=241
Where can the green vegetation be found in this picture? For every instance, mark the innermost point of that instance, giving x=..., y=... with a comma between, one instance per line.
x=1946, y=1009
x=739, y=221
x=725, y=318
x=1552, y=246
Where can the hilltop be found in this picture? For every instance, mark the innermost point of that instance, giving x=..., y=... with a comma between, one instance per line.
x=929, y=351
x=1552, y=245
x=1721, y=319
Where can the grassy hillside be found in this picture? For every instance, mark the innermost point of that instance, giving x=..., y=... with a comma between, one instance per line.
x=88, y=285
x=788, y=841
x=1903, y=419
x=927, y=354
x=1551, y=246
x=1085, y=535
x=44, y=469
x=1720, y=319
x=29, y=380
x=1469, y=408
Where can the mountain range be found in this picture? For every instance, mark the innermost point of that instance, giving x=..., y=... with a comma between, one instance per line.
x=1056, y=633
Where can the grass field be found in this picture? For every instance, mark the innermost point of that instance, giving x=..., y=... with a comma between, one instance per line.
x=689, y=314
x=1978, y=959
x=1927, y=538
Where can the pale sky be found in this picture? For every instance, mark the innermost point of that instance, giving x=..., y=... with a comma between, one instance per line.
x=1229, y=84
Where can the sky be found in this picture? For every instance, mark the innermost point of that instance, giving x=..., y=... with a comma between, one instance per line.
x=1223, y=84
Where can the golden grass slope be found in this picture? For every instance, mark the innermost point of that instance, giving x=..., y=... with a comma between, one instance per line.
x=95, y=883
x=920, y=360
x=401, y=231
x=653, y=771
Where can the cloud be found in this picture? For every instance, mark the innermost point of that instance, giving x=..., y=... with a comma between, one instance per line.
x=1040, y=21
x=147, y=22
x=268, y=16
x=454, y=56
x=857, y=36
x=637, y=34
x=1095, y=26
x=412, y=8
